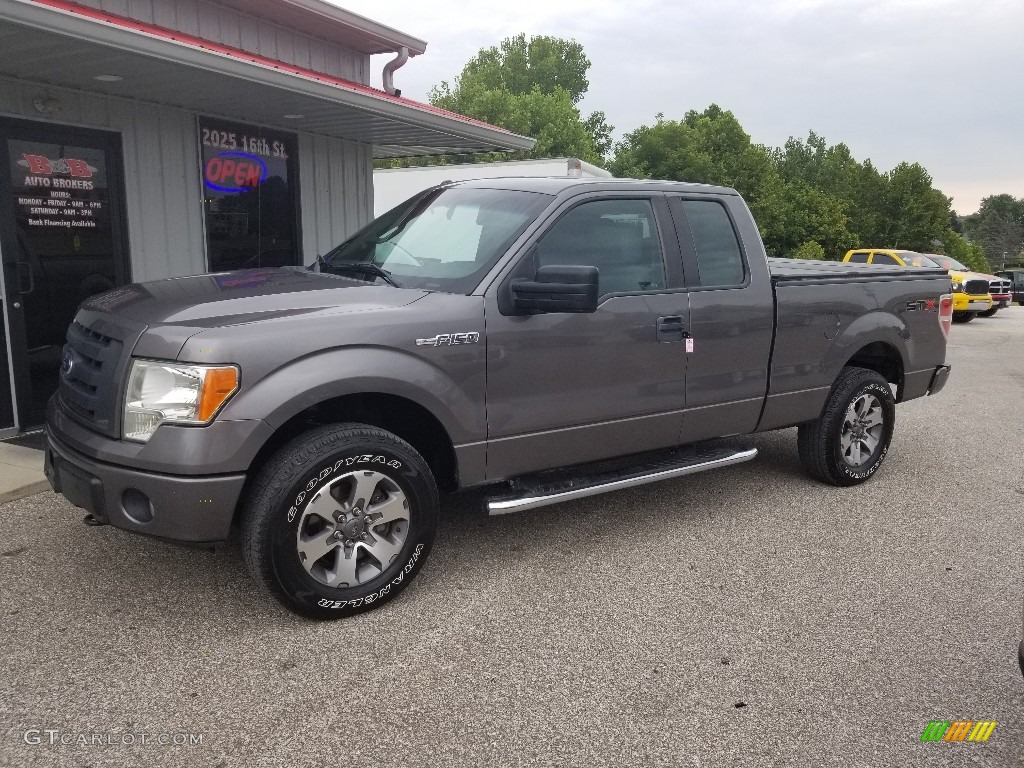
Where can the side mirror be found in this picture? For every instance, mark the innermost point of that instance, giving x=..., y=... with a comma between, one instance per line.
x=557, y=289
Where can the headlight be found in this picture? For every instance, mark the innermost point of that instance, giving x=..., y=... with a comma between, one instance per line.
x=957, y=286
x=176, y=392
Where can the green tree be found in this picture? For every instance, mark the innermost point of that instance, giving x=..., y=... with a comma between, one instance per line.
x=601, y=133
x=530, y=86
x=964, y=251
x=711, y=147
x=811, y=250
x=520, y=65
x=998, y=228
x=914, y=212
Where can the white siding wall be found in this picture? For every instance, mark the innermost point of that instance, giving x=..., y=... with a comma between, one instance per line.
x=336, y=186
x=163, y=190
x=229, y=27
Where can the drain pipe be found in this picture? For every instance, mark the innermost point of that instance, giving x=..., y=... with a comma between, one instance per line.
x=389, y=71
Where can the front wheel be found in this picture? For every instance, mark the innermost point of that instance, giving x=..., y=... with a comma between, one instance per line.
x=340, y=520
x=963, y=317
x=847, y=444
x=988, y=312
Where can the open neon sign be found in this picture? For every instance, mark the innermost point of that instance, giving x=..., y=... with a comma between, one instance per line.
x=234, y=172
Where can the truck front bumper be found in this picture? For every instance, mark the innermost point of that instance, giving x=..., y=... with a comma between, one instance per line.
x=965, y=302
x=186, y=509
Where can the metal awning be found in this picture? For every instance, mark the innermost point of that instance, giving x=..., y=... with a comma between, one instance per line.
x=63, y=44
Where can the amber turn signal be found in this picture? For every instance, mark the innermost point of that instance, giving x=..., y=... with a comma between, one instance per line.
x=218, y=385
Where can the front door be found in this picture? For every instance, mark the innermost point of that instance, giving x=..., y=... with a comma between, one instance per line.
x=566, y=389
x=62, y=240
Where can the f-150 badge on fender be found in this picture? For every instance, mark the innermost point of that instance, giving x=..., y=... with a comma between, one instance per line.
x=447, y=339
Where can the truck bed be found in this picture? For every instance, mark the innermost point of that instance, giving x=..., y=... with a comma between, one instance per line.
x=805, y=270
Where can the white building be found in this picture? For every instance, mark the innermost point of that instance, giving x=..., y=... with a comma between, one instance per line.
x=393, y=185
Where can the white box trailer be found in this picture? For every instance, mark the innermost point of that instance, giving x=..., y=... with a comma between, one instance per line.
x=392, y=186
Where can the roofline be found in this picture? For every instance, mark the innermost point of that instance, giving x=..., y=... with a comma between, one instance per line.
x=385, y=37
x=110, y=29
x=595, y=170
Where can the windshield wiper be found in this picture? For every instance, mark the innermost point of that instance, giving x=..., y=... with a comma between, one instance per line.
x=360, y=266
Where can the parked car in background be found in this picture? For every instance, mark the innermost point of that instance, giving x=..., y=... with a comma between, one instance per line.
x=998, y=287
x=971, y=291
x=1016, y=278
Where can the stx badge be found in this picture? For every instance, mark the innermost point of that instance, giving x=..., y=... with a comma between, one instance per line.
x=448, y=339
x=924, y=305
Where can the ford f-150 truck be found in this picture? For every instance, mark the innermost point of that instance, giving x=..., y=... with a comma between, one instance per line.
x=547, y=339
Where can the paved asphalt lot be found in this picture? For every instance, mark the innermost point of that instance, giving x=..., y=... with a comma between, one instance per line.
x=745, y=617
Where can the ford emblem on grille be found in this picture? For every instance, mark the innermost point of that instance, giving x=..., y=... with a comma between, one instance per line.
x=66, y=363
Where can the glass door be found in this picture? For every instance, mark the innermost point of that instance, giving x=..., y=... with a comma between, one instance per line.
x=62, y=239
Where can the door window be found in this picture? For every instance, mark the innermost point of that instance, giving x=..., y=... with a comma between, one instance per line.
x=249, y=196
x=619, y=237
x=860, y=257
x=719, y=259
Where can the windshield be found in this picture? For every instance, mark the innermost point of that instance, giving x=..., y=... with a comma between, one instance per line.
x=442, y=239
x=948, y=263
x=918, y=260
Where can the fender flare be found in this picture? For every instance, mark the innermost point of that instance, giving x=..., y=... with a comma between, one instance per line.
x=309, y=381
x=875, y=327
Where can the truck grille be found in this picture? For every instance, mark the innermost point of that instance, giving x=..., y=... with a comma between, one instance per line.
x=999, y=286
x=91, y=372
x=976, y=287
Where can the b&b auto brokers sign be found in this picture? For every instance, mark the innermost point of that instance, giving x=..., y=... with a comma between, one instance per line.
x=57, y=191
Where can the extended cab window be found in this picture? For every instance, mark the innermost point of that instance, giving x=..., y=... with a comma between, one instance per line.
x=884, y=258
x=619, y=237
x=719, y=259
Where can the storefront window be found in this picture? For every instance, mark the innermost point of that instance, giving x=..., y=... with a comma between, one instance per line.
x=250, y=191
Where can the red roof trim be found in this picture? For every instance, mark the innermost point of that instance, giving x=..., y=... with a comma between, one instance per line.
x=262, y=61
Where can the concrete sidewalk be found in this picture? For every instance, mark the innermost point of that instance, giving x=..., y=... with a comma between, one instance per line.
x=21, y=472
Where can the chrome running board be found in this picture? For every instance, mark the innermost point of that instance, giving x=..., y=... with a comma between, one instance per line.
x=541, y=494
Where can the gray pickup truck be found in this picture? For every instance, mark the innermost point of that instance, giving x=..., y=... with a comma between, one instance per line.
x=546, y=339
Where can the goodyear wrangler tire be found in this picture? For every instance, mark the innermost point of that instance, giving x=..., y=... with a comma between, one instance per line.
x=849, y=441
x=340, y=520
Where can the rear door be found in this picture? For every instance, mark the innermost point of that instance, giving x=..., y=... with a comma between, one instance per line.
x=732, y=314
x=564, y=388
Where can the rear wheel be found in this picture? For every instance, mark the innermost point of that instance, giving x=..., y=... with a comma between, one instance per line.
x=847, y=444
x=963, y=317
x=340, y=520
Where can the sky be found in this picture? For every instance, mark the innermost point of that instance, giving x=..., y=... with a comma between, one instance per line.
x=939, y=82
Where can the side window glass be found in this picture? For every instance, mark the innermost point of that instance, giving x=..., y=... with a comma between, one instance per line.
x=884, y=258
x=719, y=259
x=861, y=257
x=619, y=237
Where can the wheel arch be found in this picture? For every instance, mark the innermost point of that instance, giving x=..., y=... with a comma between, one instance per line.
x=401, y=416
x=884, y=359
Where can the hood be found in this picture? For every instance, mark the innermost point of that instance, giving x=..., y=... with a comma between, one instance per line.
x=245, y=296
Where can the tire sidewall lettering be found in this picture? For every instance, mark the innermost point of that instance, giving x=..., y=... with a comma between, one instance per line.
x=379, y=594
x=885, y=396
x=329, y=471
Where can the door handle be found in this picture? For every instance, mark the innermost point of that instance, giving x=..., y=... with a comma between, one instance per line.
x=24, y=268
x=670, y=328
